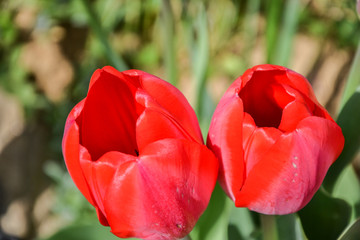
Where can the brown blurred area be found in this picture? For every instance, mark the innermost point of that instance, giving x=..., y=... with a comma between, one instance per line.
x=49, y=66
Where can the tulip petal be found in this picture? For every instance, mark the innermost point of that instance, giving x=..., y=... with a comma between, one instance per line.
x=301, y=84
x=224, y=140
x=71, y=149
x=99, y=175
x=293, y=113
x=171, y=99
x=258, y=144
x=108, y=117
x=286, y=77
x=154, y=124
x=291, y=171
x=163, y=191
x=265, y=108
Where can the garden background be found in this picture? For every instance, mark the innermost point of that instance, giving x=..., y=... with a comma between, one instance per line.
x=49, y=49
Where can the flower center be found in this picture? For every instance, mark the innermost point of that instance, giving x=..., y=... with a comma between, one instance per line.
x=108, y=121
x=264, y=97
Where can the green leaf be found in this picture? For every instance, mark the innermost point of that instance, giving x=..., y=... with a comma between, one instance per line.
x=214, y=222
x=287, y=33
x=325, y=217
x=242, y=225
x=353, y=232
x=348, y=120
x=200, y=59
x=273, y=15
x=95, y=24
x=347, y=188
x=170, y=51
x=353, y=80
x=288, y=227
x=84, y=232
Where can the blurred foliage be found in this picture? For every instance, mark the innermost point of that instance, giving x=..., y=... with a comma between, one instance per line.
x=189, y=43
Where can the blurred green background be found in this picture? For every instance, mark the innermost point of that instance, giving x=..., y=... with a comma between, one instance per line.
x=50, y=48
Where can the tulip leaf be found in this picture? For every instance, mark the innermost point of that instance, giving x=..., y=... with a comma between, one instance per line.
x=214, y=221
x=287, y=33
x=84, y=232
x=325, y=217
x=348, y=120
x=242, y=225
x=273, y=16
x=353, y=232
x=288, y=227
x=167, y=21
x=347, y=187
x=95, y=25
x=353, y=80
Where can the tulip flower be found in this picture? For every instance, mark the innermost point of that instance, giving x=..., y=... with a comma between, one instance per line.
x=275, y=142
x=134, y=149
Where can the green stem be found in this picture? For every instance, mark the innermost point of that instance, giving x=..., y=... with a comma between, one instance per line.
x=272, y=22
x=200, y=59
x=353, y=80
x=169, y=39
x=95, y=25
x=269, y=227
x=250, y=28
x=287, y=33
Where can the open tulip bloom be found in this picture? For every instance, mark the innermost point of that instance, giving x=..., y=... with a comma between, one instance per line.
x=134, y=148
x=275, y=142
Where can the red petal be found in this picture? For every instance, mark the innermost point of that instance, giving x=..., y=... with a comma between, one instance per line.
x=289, y=77
x=301, y=84
x=264, y=97
x=153, y=125
x=293, y=113
x=170, y=98
x=109, y=116
x=225, y=140
x=286, y=176
x=99, y=175
x=165, y=192
x=101, y=217
x=71, y=151
x=259, y=143
x=95, y=76
x=132, y=76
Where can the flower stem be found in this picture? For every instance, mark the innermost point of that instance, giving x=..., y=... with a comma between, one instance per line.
x=268, y=223
x=169, y=40
x=100, y=34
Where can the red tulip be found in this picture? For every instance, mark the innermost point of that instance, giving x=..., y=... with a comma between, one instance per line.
x=134, y=148
x=275, y=142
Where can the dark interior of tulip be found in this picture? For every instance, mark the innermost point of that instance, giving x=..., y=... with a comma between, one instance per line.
x=264, y=98
x=108, y=119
